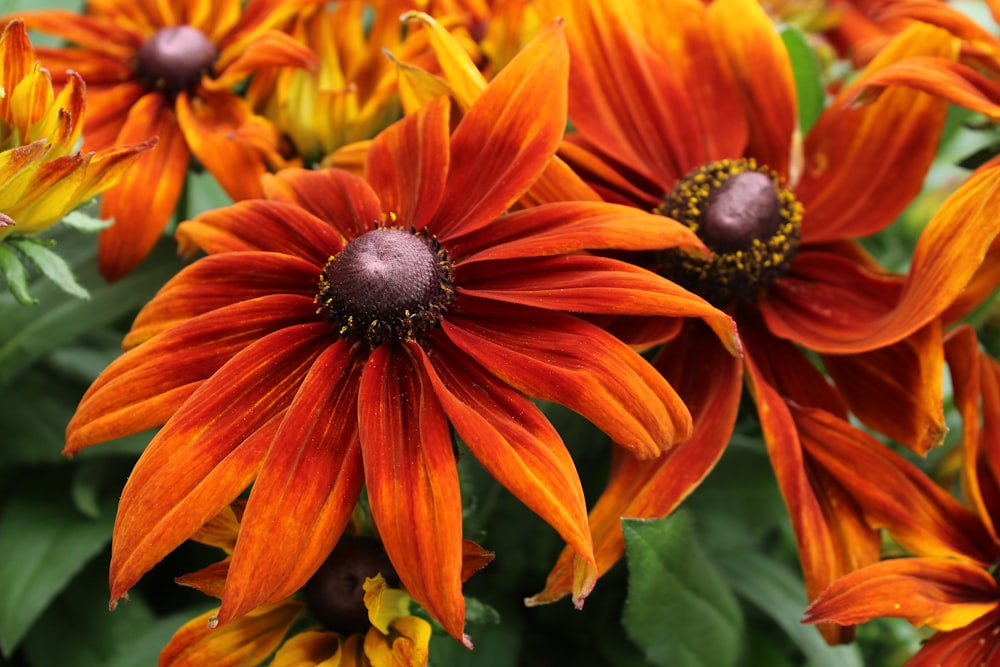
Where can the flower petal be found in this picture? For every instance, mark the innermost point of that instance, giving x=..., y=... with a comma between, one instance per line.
x=975, y=644
x=847, y=148
x=209, y=451
x=502, y=144
x=306, y=491
x=897, y=389
x=560, y=358
x=710, y=382
x=518, y=446
x=342, y=199
x=413, y=482
x=407, y=165
x=940, y=592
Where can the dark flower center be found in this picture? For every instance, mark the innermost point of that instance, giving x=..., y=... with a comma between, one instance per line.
x=388, y=283
x=335, y=593
x=750, y=222
x=175, y=59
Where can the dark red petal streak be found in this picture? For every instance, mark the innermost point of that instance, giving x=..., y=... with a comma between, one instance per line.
x=340, y=198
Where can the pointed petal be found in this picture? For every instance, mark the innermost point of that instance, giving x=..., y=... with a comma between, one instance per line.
x=217, y=281
x=209, y=451
x=518, y=446
x=893, y=492
x=710, y=382
x=306, y=491
x=897, y=389
x=145, y=387
x=273, y=226
x=247, y=642
x=588, y=284
x=144, y=200
x=942, y=593
x=565, y=360
x=848, y=148
x=413, y=483
x=764, y=78
x=342, y=199
x=502, y=144
x=407, y=165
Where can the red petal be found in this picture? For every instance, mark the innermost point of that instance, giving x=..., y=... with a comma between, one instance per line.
x=503, y=143
x=518, y=446
x=559, y=358
x=413, y=483
x=342, y=199
x=407, y=165
x=975, y=644
x=306, y=490
x=209, y=451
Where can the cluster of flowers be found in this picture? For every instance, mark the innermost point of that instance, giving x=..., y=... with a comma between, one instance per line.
x=420, y=249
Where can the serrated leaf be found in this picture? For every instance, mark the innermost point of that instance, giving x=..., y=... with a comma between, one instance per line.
x=15, y=276
x=51, y=265
x=85, y=222
x=806, y=70
x=44, y=542
x=679, y=609
x=779, y=593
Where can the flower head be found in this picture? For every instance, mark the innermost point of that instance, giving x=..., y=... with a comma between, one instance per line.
x=339, y=326
x=167, y=70
x=43, y=172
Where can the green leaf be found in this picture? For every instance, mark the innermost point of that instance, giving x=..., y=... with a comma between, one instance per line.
x=808, y=81
x=15, y=276
x=85, y=222
x=779, y=592
x=45, y=541
x=50, y=264
x=34, y=418
x=679, y=609
x=27, y=335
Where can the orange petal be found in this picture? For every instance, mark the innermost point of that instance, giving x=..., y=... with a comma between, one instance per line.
x=849, y=148
x=565, y=360
x=342, y=199
x=502, y=144
x=407, y=165
x=208, y=453
x=975, y=644
x=145, y=198
x=413, y=483
x=518, y=446
x=247, y=642
x=942, y=593
x=897, y=389
x=710, y=382
x=306, y=491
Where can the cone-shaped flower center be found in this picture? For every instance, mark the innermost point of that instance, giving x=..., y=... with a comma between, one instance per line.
x=750, y=222
x=388, y=283
x=175, y=59
x=335, y=593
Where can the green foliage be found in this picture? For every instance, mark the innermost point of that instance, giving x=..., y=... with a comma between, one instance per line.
x=679, y=609
x=807, y=73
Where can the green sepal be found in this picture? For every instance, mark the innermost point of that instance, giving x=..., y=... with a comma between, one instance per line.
x=39, y=252
x=15, y=276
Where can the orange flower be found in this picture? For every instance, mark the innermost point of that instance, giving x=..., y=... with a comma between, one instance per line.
x=42, y=173
x=949, y=584
x=167, y=69
x=314, y=366
x=690, y=110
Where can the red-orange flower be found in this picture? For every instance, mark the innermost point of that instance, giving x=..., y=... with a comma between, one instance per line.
x=949, y=584
x=311, y=353
x=690, y=109
x=167, y=69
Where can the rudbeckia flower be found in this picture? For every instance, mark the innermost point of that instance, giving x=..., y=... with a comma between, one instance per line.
x=689, y=109
x=338, y=326
x=949, y=583
x=351, y=615
x=167, y=70
x=43, y=175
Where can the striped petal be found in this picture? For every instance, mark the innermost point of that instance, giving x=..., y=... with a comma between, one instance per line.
x=306, y=491
x=342, y=199
x=577, y=365
x=975, y=644
x=412, y=482
x=518, y=446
